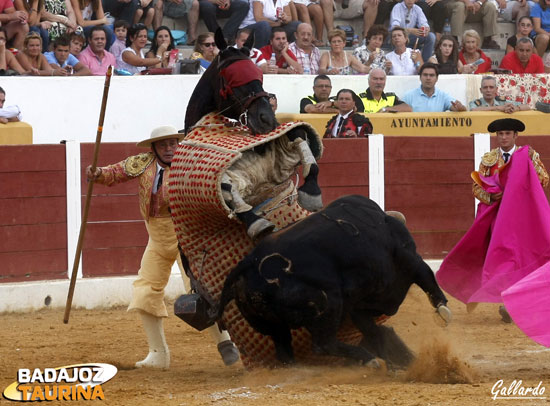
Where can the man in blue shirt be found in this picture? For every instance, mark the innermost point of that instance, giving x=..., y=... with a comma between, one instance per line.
x=63, y=62
x=427, y=97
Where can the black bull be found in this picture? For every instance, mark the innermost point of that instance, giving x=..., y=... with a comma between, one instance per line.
x=348, y=260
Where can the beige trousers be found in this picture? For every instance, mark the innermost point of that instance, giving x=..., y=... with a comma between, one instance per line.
x=487, y=14
x=156, y=265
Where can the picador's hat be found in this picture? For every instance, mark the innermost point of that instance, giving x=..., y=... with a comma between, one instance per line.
x=506, y=124
x=161, y=133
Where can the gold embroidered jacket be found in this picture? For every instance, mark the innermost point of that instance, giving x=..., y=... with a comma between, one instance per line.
x=143, y=166
x=492, y=161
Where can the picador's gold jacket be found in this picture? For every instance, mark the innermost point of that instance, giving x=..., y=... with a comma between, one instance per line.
x=143, y=166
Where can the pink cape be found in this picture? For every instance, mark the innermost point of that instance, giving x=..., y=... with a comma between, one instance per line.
x=528, y=302
x=507, y=241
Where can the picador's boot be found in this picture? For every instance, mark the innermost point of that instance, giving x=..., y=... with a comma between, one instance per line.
x=159, y=354
x=226, y=348
x=256, y=227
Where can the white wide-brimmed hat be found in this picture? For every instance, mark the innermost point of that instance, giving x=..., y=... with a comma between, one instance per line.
x=161, y=133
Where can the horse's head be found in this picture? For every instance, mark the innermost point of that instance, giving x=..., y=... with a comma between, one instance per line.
x=232, y=85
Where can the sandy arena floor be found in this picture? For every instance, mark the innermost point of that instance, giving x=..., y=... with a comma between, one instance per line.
x=473, y=353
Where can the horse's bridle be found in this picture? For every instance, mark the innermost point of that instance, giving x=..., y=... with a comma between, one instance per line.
x=244, y=102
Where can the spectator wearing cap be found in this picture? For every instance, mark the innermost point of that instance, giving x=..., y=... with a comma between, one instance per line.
x=523, y=59
x=95, y=57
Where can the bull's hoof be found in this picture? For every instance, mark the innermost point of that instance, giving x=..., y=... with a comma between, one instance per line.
x=260, y=228
x=397, y=215
x=310, y=202
x=444, y=313
x=373, y=363
x=228, y=351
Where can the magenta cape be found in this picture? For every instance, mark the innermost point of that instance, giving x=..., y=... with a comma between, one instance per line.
x=528, y=302
x=507, y=241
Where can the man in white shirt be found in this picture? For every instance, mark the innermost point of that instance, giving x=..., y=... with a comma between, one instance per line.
x=8, y=113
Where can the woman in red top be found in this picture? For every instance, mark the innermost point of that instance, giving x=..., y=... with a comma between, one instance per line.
x=471, y=53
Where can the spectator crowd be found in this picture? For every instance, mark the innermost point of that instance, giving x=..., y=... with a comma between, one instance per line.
x=84, y=37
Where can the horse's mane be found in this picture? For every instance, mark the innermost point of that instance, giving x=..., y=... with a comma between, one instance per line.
x=205, y=96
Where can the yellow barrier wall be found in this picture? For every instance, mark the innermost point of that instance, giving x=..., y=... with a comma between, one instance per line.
x=15, y=133
x=448, y=124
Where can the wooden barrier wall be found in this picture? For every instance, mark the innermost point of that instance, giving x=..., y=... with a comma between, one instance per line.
x=33, y=225
x=427, y=178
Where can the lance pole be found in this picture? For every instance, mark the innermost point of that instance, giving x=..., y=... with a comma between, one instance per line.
x=76, y=262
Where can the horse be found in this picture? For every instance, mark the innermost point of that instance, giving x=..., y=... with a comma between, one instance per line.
x=232, y=86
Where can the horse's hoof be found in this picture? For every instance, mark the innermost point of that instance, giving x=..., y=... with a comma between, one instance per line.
x=397, y=215
x=310, y=202
x=260, y=228
x=228, y=352
x=373, y=363
x=445, y=313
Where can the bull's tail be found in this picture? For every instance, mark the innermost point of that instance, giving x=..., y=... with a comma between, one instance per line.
x=228, y=292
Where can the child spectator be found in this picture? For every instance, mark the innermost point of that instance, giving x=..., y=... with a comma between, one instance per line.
x=62, y=62
x=121, y=30
x=77, y=44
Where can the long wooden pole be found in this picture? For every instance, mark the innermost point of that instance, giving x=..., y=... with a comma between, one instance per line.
x=88, y=197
